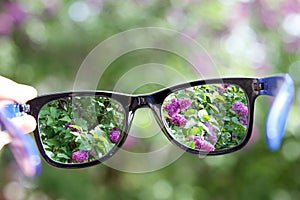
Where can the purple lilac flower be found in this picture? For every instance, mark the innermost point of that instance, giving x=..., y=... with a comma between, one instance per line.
x=92, y=152
x=80, y=155
x=226, y=85
x=114, y=134
x=184, y=103
x=173, y=107
x=194, y=137
x=15, y=10
x=210, y=127
x=6, y=24
x=178, y=120
x=290, y=6
x=221, y=90
x=177, y=105
x=201, y=143
x=204, y=145
x=244, y=120
x=240, y=108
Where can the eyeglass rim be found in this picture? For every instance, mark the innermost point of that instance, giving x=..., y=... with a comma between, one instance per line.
x=127, y=102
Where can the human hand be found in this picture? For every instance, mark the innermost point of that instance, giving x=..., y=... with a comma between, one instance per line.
x=19, y=93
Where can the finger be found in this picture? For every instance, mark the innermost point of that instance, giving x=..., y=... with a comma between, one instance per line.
x=16, y=92
x=27, y=123
x=4, y=139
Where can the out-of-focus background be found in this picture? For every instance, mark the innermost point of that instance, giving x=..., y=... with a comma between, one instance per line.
x=44, y=42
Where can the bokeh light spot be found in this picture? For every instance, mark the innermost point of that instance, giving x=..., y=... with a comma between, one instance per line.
x=162, y=190
x=291, y=150
x=291, y=24
x=79, y=11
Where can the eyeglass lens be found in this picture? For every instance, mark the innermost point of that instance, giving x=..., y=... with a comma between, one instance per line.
x=80, y=129
x=209, y=117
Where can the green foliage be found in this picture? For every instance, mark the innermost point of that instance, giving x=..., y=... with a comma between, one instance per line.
x=210, y=115
x=68, y=125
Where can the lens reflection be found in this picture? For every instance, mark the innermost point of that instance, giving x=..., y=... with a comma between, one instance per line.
x=207, y=118
x=80, y=129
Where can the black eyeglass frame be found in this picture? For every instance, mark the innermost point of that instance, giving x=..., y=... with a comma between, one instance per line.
x=253, y=87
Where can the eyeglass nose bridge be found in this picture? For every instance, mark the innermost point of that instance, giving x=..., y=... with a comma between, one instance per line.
x=146, y=101
x=143, y=101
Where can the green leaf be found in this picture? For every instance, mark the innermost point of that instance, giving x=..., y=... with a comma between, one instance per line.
x=50, y=154
x=84, y=146
x=183, y=96
x=68, y=135
x=202, y=126
x=65, y=119
x=190, y=112
x=218, y=96
x=234, y=119
x=190, y=123
x=103, y=139
x=61, y=155
x=213, y=107
x=44, y=112
x=50, y=121
x=194, y=131
x=95, y=136
x=192, y=144
x=53, y=112
x=203, y=115
x=166, y=116
x=226, y=118
x=101, y=147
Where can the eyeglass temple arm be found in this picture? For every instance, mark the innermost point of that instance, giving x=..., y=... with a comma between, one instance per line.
x=280, y=86
x=10, y=111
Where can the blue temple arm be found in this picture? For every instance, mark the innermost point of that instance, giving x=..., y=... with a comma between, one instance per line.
x=22, y=145
x=282, y=88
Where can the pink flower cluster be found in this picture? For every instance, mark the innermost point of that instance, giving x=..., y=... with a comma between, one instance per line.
x=80, y=155
x=201, y=143
x=241, y=110
x=114, y=134
x=11, y=16
x=178, y=120
x=174, y=107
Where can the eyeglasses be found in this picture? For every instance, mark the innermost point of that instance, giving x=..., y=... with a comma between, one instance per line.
x=82, y=128
x=22, y=146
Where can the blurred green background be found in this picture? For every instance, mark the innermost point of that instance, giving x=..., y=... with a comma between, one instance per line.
x=44, y=42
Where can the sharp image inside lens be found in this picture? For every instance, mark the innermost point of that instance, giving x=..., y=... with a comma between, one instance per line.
x=80, y=129
x=207, y=118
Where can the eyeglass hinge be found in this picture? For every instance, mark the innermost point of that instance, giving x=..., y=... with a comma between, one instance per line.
x=264, y=86
x=15, y=110
x=24, y=108
x=258, y=86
